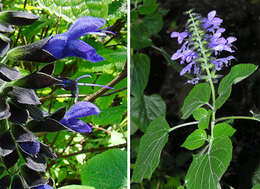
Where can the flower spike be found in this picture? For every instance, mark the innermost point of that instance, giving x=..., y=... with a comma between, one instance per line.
x=201, y=40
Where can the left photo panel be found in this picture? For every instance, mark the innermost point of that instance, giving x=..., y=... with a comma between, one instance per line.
x=63, y=94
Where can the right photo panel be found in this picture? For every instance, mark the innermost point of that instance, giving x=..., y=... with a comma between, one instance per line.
x=194, y=94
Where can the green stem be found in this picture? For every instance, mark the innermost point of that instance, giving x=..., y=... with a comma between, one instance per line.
x=3, y=60
x=205, y=59
x=182, y=125
x=236, y=117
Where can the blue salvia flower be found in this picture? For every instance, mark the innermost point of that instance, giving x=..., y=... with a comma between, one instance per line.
x=202, y=41
x=31, y=148
x=72, y=85
x=63, y=45
x=68, y=43
x=79, y=110
x=43, y=187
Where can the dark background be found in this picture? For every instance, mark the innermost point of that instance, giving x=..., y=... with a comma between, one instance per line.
x=241, y=18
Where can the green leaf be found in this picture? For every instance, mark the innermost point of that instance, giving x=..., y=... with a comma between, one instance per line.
x=143, y=29
x=195, y=140
x=151, y=145
x=153, y=23
x=148, y=7
x=115, y=6
x=255, y=177
x=139, y=41
x=203, y=116
x=237, y=74
x=73, y=9
x=145, y=109
x=106, y=170
x=37, y=27
x=207, y=169
x=105, y=118
x=76, y=187
x=257, y=186
x=222, y=98
x=223, y=130
x=197, y=97
x=140, y=69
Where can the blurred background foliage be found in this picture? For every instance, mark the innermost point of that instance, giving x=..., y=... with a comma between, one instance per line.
x=157, y=89
x=77, y=153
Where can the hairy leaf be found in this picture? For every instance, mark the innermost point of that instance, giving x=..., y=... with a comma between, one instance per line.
x=150, y=148
x=145, y=109
x=222, y=130
x=140, y=69
x=207, y=169
x=198, y=96
x=203, y=116
x=195, y=140
x=238, y=73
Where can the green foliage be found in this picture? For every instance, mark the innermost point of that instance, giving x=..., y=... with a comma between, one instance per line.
x=237, y=74
x=195, y=140
x=140, y=69
x=198, y=96
x=151, y=145
x=148, y=7
x=257, y=186
x=206, y=169
x=110, y=127
x=211, y=136
x=106, y=170
x=145, y=109
x=70, y=10
x=223, y=130
x=149, y=25
x=203, y=116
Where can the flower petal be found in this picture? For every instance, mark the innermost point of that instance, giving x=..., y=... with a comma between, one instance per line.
x=81, y=109
x=31, y=148
x=85, y=25
x=83, y=50
x=43, y=187
x=211, y=15
x=78, y=126
x=231, y=40
x=175, y=34
x=95, y=85
x=56, y=45
x=176, y=56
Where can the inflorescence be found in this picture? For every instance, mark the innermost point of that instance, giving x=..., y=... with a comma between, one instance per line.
x=202, y=43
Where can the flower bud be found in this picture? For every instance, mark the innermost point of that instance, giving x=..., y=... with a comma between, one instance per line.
x=18, y=18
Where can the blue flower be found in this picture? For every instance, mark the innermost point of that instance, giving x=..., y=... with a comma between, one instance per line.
x=204, y=45
x=222, y=61
x=68, y=44
x=212, y=22
x=43, y=187
x=72, y=85
x=79, y=110
x=31, y=148
x=181, y=36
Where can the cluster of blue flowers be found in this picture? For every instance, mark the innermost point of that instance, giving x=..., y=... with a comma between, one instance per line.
x=18, y=102
x=202, y=44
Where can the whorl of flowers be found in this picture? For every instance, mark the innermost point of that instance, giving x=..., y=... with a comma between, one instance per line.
x=202, y=44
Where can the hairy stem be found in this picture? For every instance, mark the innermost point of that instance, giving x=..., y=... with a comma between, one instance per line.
x=183, y=125
x=236, y=117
